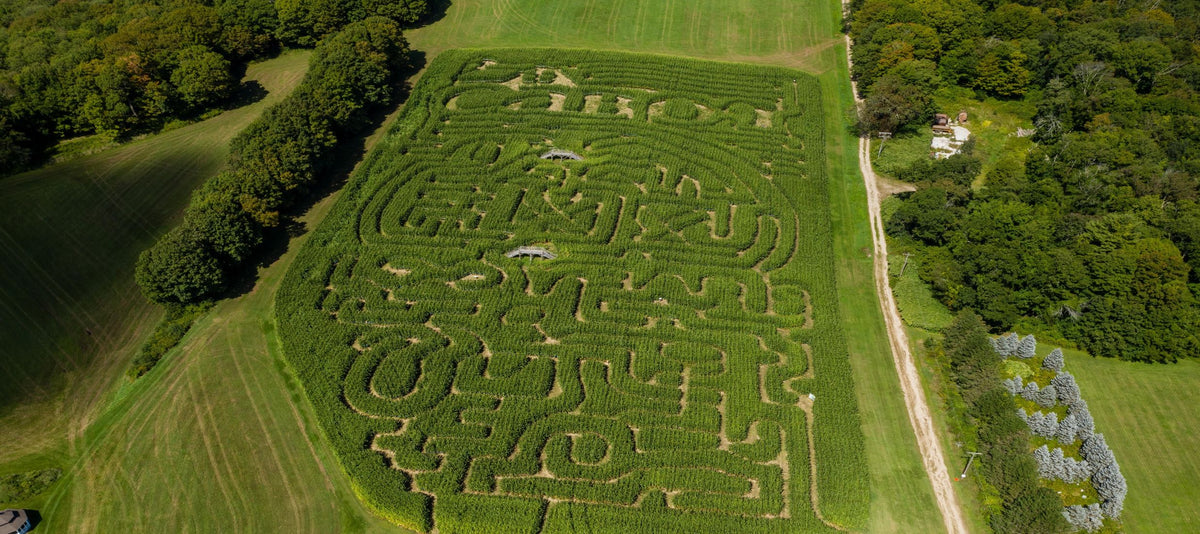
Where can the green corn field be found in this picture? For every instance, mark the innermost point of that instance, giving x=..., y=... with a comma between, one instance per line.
x=678, y=364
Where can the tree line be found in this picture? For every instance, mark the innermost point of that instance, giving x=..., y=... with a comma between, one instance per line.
x=70, y=69
x=274, y=161
x=1017, y=502
x=1094, y=234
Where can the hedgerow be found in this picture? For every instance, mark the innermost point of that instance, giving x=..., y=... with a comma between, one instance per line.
x=656, y=374
x=275, y=159
x=1092, y=472
x=1016, y=503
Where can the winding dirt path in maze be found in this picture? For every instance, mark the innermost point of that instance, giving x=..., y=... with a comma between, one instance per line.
x=910, y=381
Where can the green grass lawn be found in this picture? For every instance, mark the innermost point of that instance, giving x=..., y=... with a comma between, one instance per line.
x=217, y=438
x=221, y=471
x=1149, y=417
x=779, y=32
x=70, y=314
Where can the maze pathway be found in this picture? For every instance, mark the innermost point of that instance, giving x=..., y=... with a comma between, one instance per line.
x=674, y=361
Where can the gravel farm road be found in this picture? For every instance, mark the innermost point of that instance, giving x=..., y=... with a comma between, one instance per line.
x=910, y=381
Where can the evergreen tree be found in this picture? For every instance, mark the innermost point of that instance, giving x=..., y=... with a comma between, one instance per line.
x=1054, y=361
x=1045, y=462
x=1110, y=485
x=1046, y=397
x=1027, y=347
x=1005, y=345
x=1013, y=385
x=1068, y=390
x=1087, y=518
x=1030, y=391
x=1067, y=428
x=1095, y=450
x=1043, y=424
x=1085, y=426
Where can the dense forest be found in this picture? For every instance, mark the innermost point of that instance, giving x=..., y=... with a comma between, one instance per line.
x=121, y=67
x=1093, y=235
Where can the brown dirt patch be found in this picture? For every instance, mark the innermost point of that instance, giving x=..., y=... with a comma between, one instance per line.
x=764, y=118
x=591, y=103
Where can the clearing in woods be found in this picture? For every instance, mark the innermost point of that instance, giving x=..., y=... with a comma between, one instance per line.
x=656, y=374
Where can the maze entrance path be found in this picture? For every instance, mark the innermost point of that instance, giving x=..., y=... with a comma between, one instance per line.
x=675, y=363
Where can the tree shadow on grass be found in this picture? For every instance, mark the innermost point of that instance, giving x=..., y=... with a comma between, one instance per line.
x=248, y=93
x=437, y=11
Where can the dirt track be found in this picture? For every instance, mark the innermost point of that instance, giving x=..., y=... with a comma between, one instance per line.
x=910, y=380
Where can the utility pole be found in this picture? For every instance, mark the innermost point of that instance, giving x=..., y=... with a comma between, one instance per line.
x=905, y=266
x=971, y=459
x=883, y=137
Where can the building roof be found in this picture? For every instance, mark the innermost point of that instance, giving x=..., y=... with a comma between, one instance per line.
x=11, y=521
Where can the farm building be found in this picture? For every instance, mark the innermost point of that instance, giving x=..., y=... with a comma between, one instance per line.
x=14, y=522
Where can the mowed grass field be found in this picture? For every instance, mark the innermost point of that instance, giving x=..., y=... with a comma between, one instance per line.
x=71, y=317
x=217, y=438
x=779, y=32
x=221, y=473
x=1149, y=417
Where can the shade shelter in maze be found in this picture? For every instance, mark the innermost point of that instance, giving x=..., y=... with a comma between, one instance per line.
x=657, y=378
x=562, y=154
x=531, y=252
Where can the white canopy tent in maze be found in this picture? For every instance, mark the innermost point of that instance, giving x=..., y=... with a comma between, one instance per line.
x=654, y=376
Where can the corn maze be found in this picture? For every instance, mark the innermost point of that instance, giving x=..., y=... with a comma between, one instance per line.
x=575, y=291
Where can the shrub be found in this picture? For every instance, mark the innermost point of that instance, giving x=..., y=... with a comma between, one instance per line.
x=22, y=486
x=169, y=331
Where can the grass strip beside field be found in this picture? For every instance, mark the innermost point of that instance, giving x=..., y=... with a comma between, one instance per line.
x=217, y=438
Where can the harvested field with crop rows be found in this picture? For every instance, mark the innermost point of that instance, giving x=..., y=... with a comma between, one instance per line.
x=585, y=291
